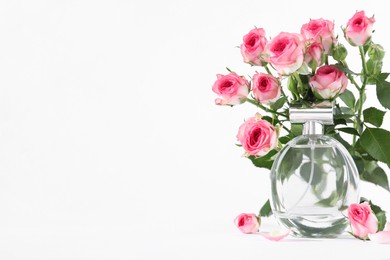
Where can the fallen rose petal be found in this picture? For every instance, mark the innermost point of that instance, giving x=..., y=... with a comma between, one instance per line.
x=382, y=237
x=275, y=235
x=387, y=227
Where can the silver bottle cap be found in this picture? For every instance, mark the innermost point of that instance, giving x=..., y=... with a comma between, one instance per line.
x=312, y=116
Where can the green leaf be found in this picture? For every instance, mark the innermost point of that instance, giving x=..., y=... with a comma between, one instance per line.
x=342, y=141
x=383, y=93
x=284, y=139
x=265, y=161
x=278, y=103
x=265, y=210
x=382, y=76
x=375, y=174
x=348, y=98
x=271, y=120
x=329, y=129
x=348, y=130
x=359, y=162
x=296, y=129
x=343, y=116
x=374, y=116
x=346, y=111
x=340, y=122
x=258, y=162
x=381, y=216
x=363, y=153
x=376, y=142
x=347, y=70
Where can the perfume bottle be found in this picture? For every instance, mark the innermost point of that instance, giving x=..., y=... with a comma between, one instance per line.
x=314, y=178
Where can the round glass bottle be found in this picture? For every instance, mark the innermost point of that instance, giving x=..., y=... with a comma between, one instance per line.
x=314, y=179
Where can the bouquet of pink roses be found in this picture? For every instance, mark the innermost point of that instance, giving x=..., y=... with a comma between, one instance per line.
x=311, y=67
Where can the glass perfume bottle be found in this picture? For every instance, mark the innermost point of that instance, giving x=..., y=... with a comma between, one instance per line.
x=314, y=178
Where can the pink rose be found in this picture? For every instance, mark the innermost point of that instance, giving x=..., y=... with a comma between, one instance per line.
x=247, y=223
x=321, y=31
x=359, y=29
x=314, y=55
x=265, y=88
x=257, y=136
x=253, y=46
x=328, y=82
x=285, y=52
x=232, y=89
x=363, y=220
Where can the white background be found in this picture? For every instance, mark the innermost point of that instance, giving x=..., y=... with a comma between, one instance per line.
x=111, y=146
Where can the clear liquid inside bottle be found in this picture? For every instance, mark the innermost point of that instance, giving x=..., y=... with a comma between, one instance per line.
x=314, y=180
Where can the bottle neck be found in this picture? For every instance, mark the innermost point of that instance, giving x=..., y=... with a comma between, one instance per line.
x=313, y=128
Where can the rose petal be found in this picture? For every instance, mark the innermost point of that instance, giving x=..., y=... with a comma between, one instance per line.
x=387, y=227
x=359, y=230
x=372, y=223
x=382, y=237
x=275, y=235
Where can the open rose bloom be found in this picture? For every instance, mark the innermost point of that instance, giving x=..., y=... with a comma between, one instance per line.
x=285, y=52
x=328, y=82
x=231, y=88
x=319, y=31
x=253, y=46
x=257, y=136
x=266, y=88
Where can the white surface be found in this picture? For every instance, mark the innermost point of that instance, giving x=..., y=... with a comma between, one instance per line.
x=110, y=144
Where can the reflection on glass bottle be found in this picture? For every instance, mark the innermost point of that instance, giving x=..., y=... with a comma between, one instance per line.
x=314, y=179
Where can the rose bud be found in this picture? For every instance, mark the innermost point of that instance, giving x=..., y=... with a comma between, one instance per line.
x=247, y=223
x=328, y=82
x=363, y=221
x=266, y=88
x=340, y=52
x=374, y=67
x=314, y=55
x=257, y=136
x=253, y=46
x=376, y=52
x=231, y=88
x=359, y=29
